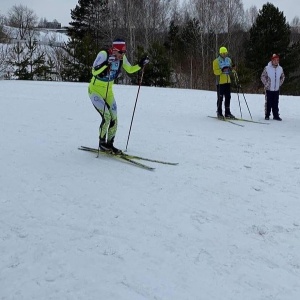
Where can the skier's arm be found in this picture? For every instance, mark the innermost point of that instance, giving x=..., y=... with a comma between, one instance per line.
x=100, y=63
x=216, y=68
x=282, y=77
x=128, y=67
x=265, y=79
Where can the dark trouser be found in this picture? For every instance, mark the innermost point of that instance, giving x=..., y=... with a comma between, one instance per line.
x=271, y=103
x=223, y=90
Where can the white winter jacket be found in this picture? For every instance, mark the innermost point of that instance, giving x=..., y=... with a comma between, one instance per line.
x=272, y=77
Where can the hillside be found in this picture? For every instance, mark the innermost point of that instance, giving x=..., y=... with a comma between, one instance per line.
x=223, y=224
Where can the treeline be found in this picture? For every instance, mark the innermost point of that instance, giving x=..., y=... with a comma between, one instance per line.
x=181, y=41
x=24, y=54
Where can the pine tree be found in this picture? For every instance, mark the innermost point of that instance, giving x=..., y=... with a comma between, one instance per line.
x=175, y=43
x=291, y=69
x=89, y=33
x=271, y=34
x=159, y=69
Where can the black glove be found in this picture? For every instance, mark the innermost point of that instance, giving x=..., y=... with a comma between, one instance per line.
x=144, y=60
x=226, y=70
x=111, y=59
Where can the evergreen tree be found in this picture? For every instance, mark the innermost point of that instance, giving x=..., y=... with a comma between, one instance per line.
x=191, y=54
x=291, y=69
x=89, y=33
x=176, y=51
x=41, y=68
x=174, y=43
x=35, y=60
x=22, y=69
x=2, y=34
x=159, y=69
x=270, y=34
x=29, y=62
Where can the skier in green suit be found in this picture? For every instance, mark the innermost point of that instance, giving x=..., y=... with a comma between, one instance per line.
x=106, y=68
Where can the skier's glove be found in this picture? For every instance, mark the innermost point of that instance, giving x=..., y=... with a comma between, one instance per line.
x=111, y=59
x=226, y=70
x=144, y=61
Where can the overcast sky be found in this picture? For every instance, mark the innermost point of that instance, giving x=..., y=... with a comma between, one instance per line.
x=60, y=9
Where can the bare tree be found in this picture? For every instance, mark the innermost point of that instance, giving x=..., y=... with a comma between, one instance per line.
x=295, y=30
x=3, y=59
x=218, y=24
x=210, y=17
x=250, y=16
x=140, y=22
x=295, y=22
x=55, y=56
x=23, y=19
x=155, y=19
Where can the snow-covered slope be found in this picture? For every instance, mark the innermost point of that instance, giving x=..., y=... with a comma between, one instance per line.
x=223, y=224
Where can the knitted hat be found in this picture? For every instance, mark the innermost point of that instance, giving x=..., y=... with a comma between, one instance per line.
x=275, y=56
x=119, y=45
x=223, y=50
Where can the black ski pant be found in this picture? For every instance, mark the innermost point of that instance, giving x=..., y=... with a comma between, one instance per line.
x=272, y=103
x=223, y=91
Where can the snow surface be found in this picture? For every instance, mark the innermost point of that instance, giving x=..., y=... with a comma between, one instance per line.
x=223, y=224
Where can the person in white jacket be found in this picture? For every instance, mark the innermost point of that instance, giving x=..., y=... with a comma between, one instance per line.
x=272, y=77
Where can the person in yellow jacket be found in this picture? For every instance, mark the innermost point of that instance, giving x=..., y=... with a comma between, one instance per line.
x=106, y=68
x=222, y=67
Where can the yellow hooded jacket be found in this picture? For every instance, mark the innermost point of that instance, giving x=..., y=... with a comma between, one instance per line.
x=218, y=64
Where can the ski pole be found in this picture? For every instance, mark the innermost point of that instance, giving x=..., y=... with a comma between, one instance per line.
x=246, y=103
x=137, y=95
x=105, y=103
x=244, y=96
x=238, y=89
